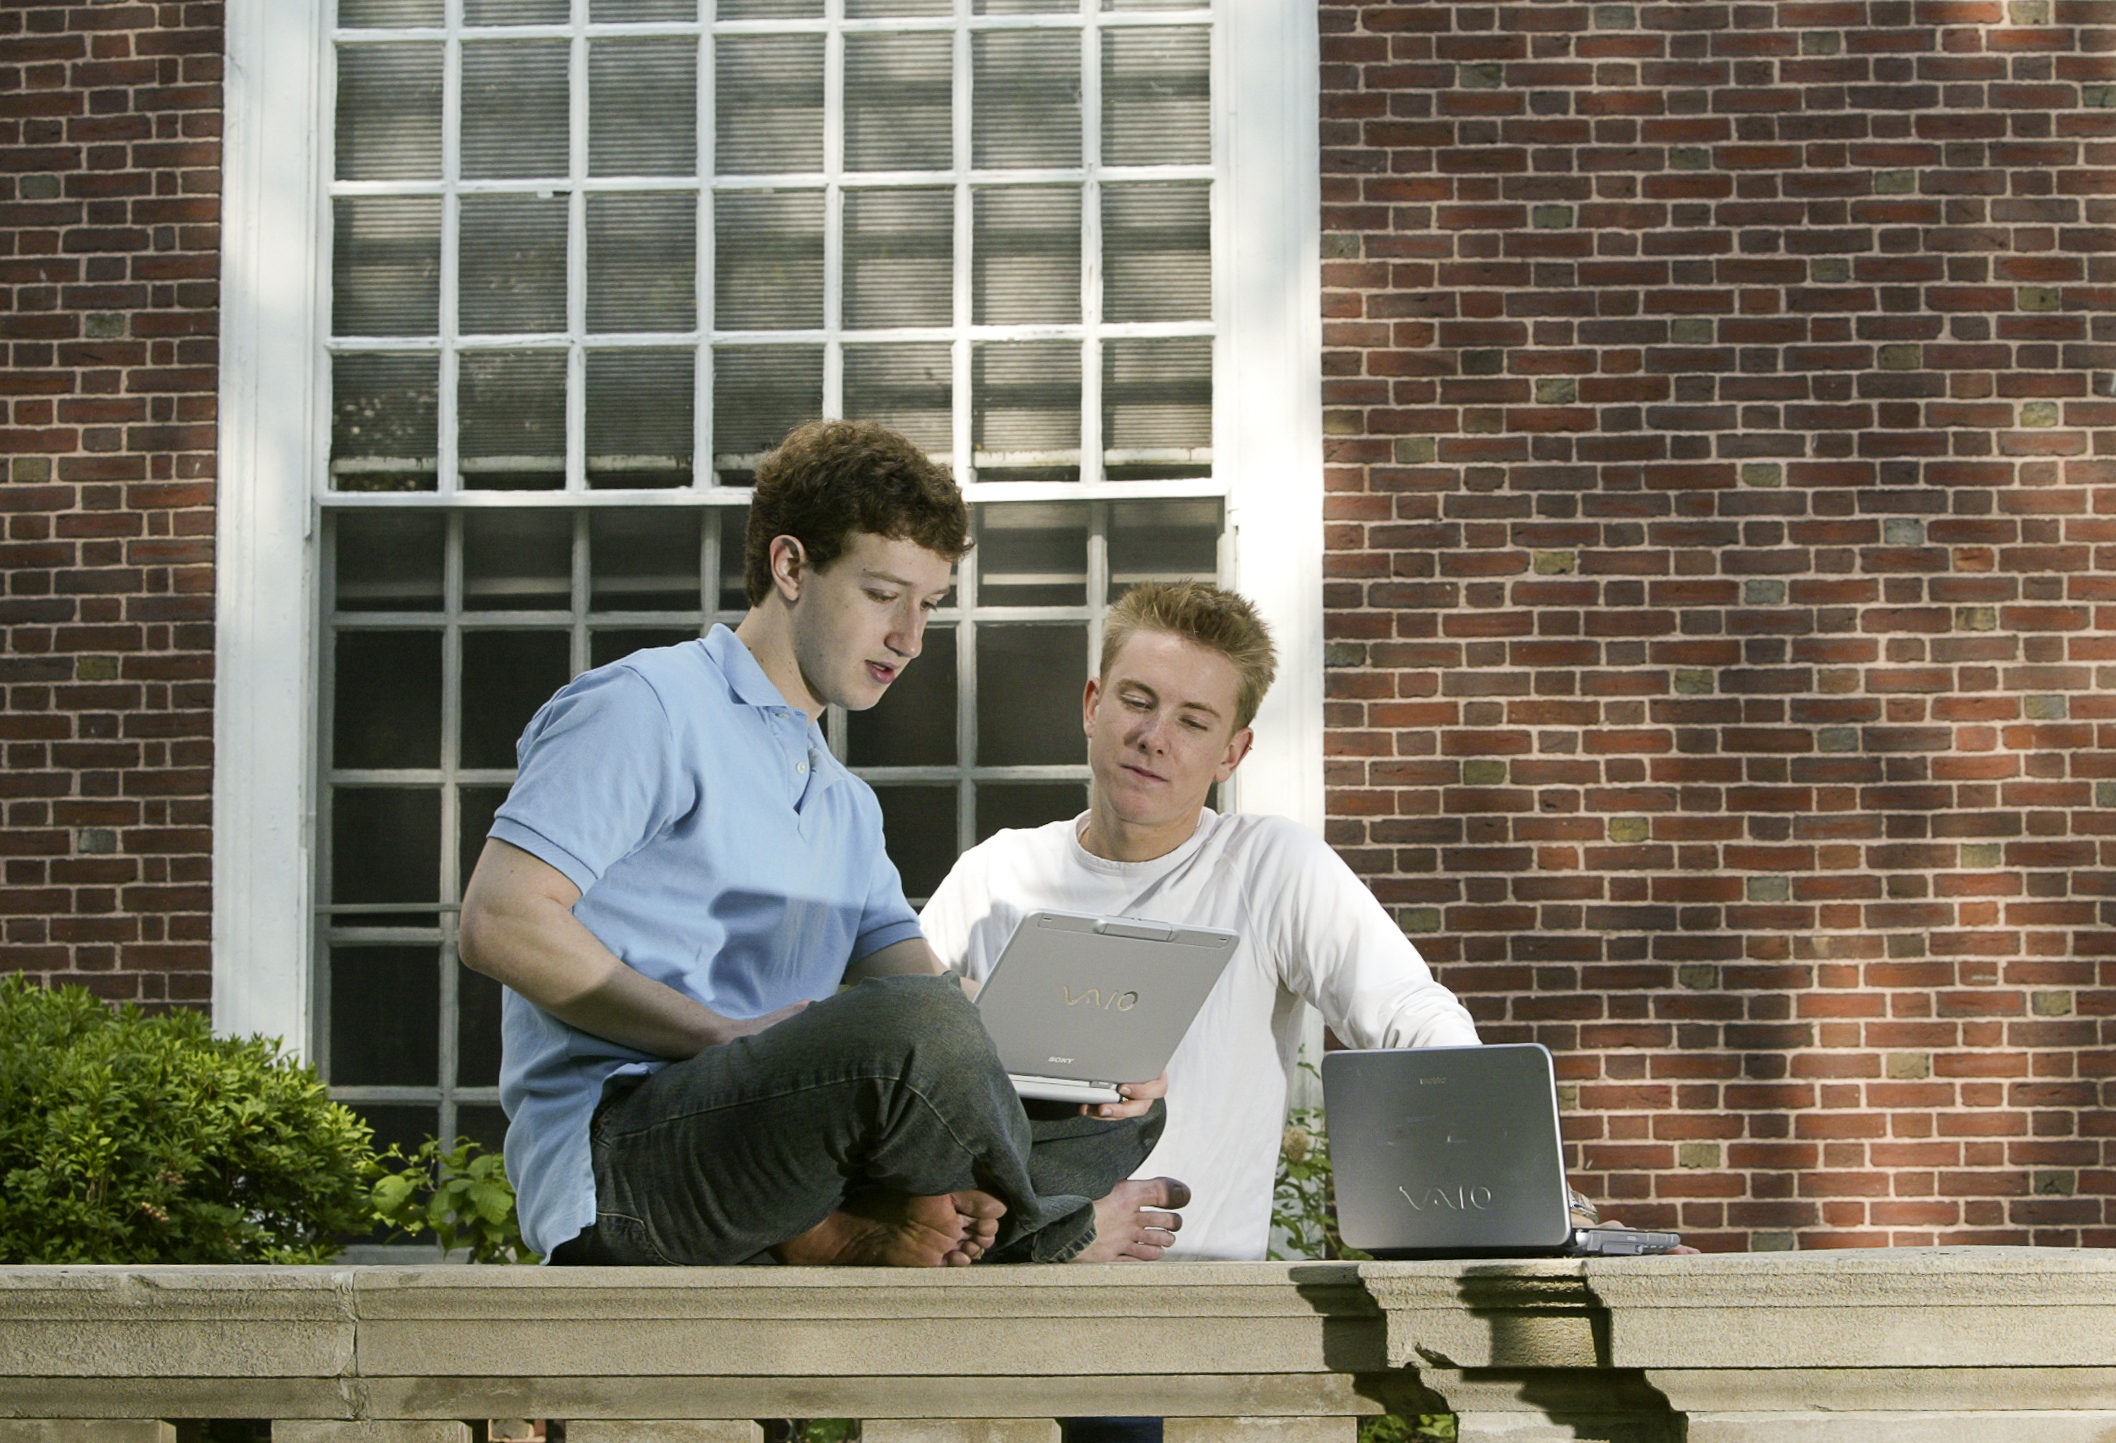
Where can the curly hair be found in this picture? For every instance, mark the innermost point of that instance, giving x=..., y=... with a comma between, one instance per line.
x=830, y=479
x=1221, y=621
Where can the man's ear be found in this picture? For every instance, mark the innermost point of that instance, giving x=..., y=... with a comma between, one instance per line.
x=1237, y=748
x=1088, y=699
x=789, y=564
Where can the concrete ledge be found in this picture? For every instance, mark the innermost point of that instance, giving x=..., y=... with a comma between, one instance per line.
x=1961, y=1343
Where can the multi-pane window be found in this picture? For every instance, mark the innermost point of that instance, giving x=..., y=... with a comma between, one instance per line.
x=589, y=260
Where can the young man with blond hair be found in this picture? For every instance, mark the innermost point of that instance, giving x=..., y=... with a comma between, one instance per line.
x=1184, y=667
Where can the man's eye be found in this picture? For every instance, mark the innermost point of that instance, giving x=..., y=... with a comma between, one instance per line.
x=1193, y=723
x=882, y=596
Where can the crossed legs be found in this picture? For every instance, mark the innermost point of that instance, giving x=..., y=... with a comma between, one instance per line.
x=875, y=1126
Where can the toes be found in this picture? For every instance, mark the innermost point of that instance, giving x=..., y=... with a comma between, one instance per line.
x=973, y=1204
x=1174, y=1194
x=1166, y=1222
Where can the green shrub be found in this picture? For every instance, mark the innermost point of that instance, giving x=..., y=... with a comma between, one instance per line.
x=464, y=1196
x=1303, y=1208
x=129, y=1138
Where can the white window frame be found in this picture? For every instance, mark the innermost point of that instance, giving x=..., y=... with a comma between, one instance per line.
x=274, y=433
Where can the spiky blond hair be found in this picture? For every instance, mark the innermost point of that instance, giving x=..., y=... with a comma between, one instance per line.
x=1221, y=621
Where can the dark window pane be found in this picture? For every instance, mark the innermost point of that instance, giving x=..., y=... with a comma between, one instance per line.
x=1156, y=96
x=385, y=1016
x=517, y=560
x=770, y=104
x=1029, y=679
x=384, y=422
x=759, y=394
x=1157, y=252
x=642, y=406
x=513, y=424
x=768, y=261
x=616, y=12
x=914, y=723
x=389, y=112
x=385, y=265
x=513, y=264
x=1027, y=98
x=1025, y=255
x=385, y=845
x=644, y=560
x=605, y=647
x=642, y=262
x=899, y=101
x=1165, y=540
x=766, y=9
x=483, y=1125
x=907, y=388
x=1033, y=554
x=643, y=106
x=514, y=108
x=1025, y=410
x=404, y=1124
x=1157, y=404
x=918, y=825
x=734, y=541
x=477, y=1031
x=900, y=257
x=516, y=12
x=507, y=675
x=1001, y=805
x=474, y=810
x=386, y=696
x=388, y=14
x=389, y=560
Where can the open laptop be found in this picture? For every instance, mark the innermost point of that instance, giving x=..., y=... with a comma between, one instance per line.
x=1077, y=1005
x=1452, y=1152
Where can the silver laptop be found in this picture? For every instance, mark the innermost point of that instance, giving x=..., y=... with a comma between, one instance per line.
x=1453, y=1152
x=1077, y=1005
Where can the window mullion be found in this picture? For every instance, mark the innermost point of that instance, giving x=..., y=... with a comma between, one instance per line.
x=577, y=257
x=445, y=474
x=966, y=697
x=959, y=117
x=1091, y=243
x=703, y=472
x=833, y=210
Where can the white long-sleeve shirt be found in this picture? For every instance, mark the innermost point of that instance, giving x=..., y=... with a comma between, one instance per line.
x=1310, y=930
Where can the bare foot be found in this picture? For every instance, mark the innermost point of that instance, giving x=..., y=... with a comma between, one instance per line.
x=894, y=1230
x=1128, y=1227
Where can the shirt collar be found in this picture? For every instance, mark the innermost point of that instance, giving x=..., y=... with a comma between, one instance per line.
x=751, y=686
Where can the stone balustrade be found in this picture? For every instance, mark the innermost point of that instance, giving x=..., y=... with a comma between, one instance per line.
x=1948, y=1345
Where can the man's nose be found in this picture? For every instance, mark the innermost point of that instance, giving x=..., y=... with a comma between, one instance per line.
x=908, y=637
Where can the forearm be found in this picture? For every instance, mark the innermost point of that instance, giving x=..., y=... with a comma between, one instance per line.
x=519, y=929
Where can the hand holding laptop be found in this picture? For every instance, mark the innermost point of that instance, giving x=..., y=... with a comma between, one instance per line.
x=1137, y=1098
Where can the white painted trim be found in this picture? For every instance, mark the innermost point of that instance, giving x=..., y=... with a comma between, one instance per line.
x=1267, y=430
x=270, y=420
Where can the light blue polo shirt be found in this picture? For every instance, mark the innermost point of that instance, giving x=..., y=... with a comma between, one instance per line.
x=718, y=847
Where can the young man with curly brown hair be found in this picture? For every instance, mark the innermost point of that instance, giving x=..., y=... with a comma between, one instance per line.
x=677, y=887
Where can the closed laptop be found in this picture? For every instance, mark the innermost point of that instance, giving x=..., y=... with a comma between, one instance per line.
x=1453, y=1152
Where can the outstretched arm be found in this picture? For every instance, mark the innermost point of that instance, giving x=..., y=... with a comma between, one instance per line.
x=519, y=929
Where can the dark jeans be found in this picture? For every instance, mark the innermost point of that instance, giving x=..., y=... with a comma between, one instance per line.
x=892, y=1085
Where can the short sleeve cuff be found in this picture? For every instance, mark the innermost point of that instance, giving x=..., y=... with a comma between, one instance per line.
x=886, y=936
x=541, y=847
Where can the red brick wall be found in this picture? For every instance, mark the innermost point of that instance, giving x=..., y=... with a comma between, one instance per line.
x=1722, y=585
x=109, y=267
